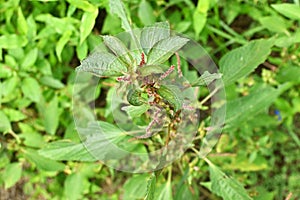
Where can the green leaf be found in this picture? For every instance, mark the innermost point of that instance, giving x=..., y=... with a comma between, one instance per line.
x=274, y=23
x=5, y=71
x=200, y=16
x=291, y=11
x=135, y=187
x=14, y=115
x=62, y=42
x=21, y=22
x=74, y=186
x=119, y=49
x=55, y=25
x=43, y=163
x=4, y=123
x=12, y=41
x=102, y=139
x=286, y=41
x=12, y=174
x=82, y=50
x=206, y=78
x=51, y=116
x=150, y=70
x=288, y=74
x=87, y=24
x=241, y=109
x=82, y=4
x=67, y=150
x=152, y=34
x=52, y=82
x=33, y=139
x=44, y=66
x=136, y=111
x=199, y=21
x=164, y=49
x=30, y=59
x=184, y=193
x=145, y=13
x=134, y=97
x=117, y=7
x=166, y=192
x=10, y=85
x=172, y=95
x=182, y=26
x=226, y=187
x=31, y=89
x=242, y=61
x=102, y=64
x=150, y=194
x=32, y=27
x=105, y=140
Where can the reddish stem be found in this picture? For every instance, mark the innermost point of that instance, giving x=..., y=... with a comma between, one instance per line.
x=169, y=71
x=142, y=60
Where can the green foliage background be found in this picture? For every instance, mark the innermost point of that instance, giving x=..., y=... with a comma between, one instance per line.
x=41, y=43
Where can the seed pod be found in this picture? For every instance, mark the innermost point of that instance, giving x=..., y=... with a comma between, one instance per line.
x=134, y=97
x=172, y=95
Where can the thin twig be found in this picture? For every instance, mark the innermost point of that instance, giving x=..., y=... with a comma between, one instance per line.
x=289, y=196
x=209, y=96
